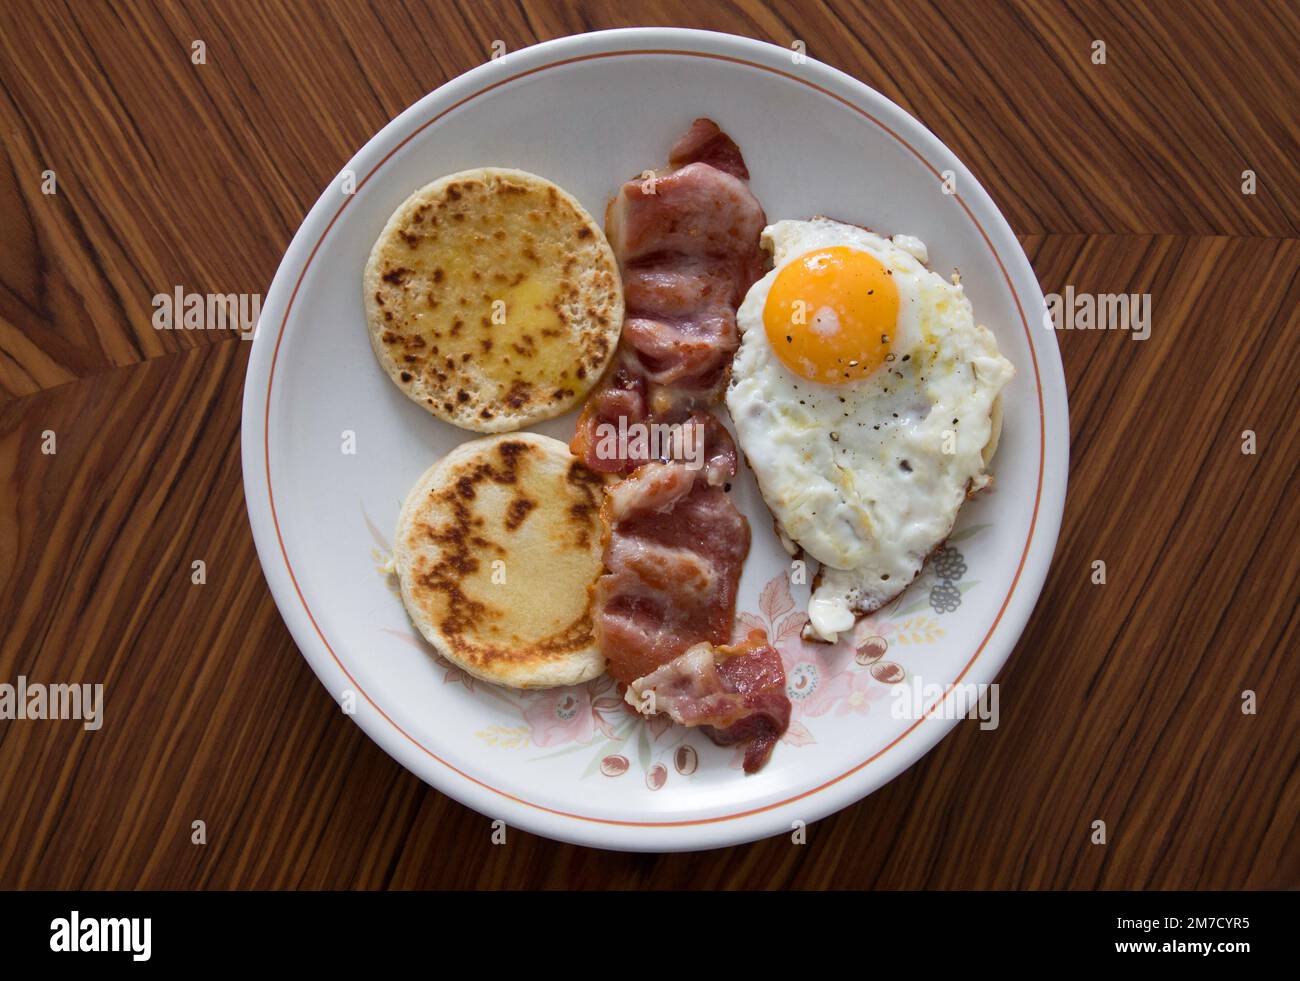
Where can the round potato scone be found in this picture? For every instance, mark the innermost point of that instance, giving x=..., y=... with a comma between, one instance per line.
x=493, y=299
x=497, y=546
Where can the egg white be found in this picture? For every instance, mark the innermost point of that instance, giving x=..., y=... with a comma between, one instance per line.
x=867, y=477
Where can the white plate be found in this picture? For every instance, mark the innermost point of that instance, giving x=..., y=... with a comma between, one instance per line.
x=589, y=112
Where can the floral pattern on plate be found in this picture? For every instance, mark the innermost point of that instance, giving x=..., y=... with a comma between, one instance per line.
x=594, y=724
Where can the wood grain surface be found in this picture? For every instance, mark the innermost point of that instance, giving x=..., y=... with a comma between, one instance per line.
x=1122, y=701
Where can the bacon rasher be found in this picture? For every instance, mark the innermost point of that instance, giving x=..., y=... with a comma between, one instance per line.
x=687, y=241
x=736, y=693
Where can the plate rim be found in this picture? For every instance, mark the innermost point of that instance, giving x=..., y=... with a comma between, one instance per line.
x=754, y=823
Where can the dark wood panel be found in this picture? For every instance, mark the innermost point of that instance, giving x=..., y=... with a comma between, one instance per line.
x=1122, y=701
x=174, y=173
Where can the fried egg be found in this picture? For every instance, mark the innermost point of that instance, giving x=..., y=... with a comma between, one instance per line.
x=867, y=402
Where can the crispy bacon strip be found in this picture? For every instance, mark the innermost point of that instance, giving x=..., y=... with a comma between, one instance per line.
x=688, y=248
x=704, y=142
x=736, y=693
x=687, y=242
x=673, y=556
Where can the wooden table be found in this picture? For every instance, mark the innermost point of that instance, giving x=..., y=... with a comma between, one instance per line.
x=1123, y=701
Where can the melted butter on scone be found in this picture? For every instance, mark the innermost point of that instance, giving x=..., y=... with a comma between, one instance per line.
x=493, y=299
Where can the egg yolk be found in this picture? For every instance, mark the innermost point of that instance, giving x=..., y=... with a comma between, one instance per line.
x=830, y=315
